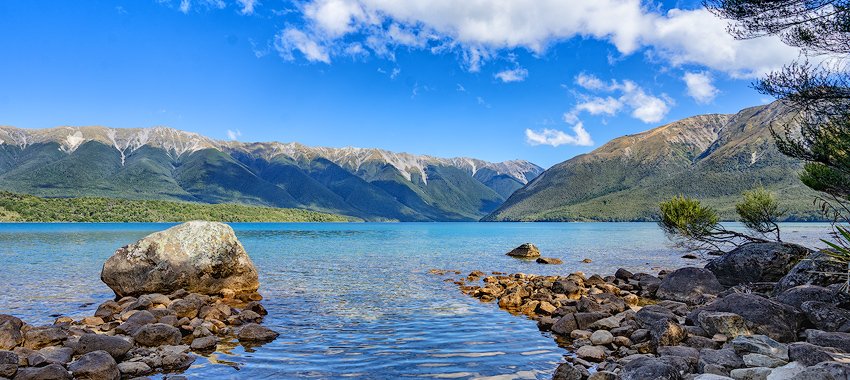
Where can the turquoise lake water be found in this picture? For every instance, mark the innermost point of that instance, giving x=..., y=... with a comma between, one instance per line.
x=355, y=300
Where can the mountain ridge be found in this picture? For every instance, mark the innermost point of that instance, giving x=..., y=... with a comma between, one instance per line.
x=711, y=157
x=165, y=163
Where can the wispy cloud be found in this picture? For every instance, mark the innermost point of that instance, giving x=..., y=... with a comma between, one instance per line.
x=554, y=137
x=627, y=94
x=234, y=135
x=514, y=75
x=700, y=87
x=248, y=6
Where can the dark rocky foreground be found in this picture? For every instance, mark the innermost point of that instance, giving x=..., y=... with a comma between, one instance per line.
x=762, y=311
x=179, y=292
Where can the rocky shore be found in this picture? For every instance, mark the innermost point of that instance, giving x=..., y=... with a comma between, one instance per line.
x=179, y=292
x=762, y=311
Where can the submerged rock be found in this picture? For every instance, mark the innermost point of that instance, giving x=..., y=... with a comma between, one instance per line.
x=549, y=260
x=526, y=250
x=201, y=257
x=253, y=332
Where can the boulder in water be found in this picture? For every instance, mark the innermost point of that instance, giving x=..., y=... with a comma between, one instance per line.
x=526, y=251
x=201, y=257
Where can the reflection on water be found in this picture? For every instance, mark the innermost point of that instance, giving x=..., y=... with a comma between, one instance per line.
x=353, y=300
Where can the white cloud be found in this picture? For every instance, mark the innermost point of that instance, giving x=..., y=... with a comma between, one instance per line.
x=184, y=6
x=289, y=40
x=247, y=6
x=590, y=82
x=515, y=75
x=556, y=137
x=234, y=135
x=700, y=87
x=628, y=95
x=478, y=30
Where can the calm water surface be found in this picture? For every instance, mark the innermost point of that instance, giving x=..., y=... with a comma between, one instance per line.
x=354, y=300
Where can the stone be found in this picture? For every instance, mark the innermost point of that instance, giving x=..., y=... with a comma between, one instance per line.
x=760, y=344
x=758, y=373
x=689, y=285
x=114, y=345
x=134, y=369
x=186, y=308
x=762, y=316
x=756, y=262
x=837, y=340
x=10, y=333
x=623, y=274
x=591, y=353
x=49, y=372
x=549, y=260
x=643, y=368
x=826, y=316
x=825, y=371
x=809, y=354
x=206, y=343
x=256, y=307
x=710, y=376
x=253, y=332
x=719, y=322
x=726, y=359
x=787, y=371
x=649, y=315
x=526, y=250
x=797, y=295
x=57, y=355
x=107, y=310
x=135, y=322
x=157, y=334
x=759, y=360
x=8, y=363
x=92, y=321
x=586, y=261
x=567, y=371
x=97, y=365
x=667, y=333
x=40, y=337
x=603, y=375
x=817, y=269
x=601, y=338
x=683, y=358
x=201, y=257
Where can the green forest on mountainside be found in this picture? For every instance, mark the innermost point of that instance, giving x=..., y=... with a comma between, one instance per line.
x=28, y=208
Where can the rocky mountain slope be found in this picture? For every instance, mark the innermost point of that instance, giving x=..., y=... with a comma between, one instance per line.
x=710, y=157
x=168, y=164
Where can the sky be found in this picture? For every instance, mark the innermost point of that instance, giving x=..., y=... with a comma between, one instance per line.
x=540, y=80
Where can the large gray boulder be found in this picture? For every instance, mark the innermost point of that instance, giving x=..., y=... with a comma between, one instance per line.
x=762, y=316
x=689, y=285
x=757, y=262
x=816, y=269
x=201, y=257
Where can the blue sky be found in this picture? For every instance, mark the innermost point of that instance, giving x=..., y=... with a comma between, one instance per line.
x=541, y=80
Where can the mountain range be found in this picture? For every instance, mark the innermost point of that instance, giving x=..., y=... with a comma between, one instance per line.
x=713, y=158
x=167, y=164
x=710, y=157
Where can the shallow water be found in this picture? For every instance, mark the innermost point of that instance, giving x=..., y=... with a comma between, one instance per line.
x=355, y=300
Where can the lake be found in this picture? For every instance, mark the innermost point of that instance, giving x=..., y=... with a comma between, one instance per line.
x=355, y=300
